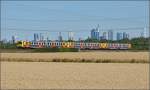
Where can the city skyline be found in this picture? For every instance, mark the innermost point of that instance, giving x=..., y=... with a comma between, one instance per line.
x=95, y=34
x=23, y=19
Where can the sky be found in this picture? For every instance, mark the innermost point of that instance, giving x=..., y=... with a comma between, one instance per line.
x=24, y=18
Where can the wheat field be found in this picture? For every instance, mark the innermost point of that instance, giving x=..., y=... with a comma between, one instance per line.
x=118, y=56
x=52, y=75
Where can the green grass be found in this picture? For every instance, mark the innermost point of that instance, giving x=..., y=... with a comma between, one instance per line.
x=56, y=50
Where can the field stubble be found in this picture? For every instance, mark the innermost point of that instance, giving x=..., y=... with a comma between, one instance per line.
x=44, y=75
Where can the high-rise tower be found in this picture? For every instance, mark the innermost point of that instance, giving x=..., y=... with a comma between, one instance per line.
x=110, y=35
x=70, y=35
x=60, y=37
x=95, y=33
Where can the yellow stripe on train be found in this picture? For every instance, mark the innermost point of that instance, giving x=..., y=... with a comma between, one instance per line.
x=103, y=45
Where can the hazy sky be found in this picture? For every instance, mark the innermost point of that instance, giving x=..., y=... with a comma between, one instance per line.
x=23, y=18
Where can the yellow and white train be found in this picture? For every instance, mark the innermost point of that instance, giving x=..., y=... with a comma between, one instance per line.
x=80, y=45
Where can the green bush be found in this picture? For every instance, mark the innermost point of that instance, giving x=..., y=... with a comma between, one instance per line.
x=55, y=50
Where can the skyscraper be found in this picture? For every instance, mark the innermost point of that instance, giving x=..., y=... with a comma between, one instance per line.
x=59, y=37
x=13, y=39
x=95, y=33
x=104, y=35
x=119, y=36
x=125, y=35
x=128, y=36
x=110, y=35
x=36, y=37
x=70, y=36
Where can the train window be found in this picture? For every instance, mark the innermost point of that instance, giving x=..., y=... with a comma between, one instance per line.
x=19, y=42
x=86, y=44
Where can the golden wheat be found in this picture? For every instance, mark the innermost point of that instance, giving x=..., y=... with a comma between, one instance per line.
x=44, y=75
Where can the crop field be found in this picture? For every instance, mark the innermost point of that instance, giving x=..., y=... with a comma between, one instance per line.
x=52, y=75
x=78, y=56
x=39, y=71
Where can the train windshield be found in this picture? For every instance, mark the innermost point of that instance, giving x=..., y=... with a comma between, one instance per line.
x=19, y=42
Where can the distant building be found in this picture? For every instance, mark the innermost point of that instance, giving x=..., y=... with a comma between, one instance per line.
x=41, y=37
x=13, y=39
x=110, y=35
x=119, y=36
x=35, y=37
x=101, y=37
x=70, y=36
x=125, y=35
x=104, y=35
x=95, y=33
x=59, y=37
x=128, y=36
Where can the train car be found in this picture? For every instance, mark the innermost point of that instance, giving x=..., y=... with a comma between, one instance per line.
x=77, y=45
x=103, y=45
x=129, y=46
x=81, y=45
x=23, y=44
x=124, y=46
x=87, y=45
x=114, y=46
